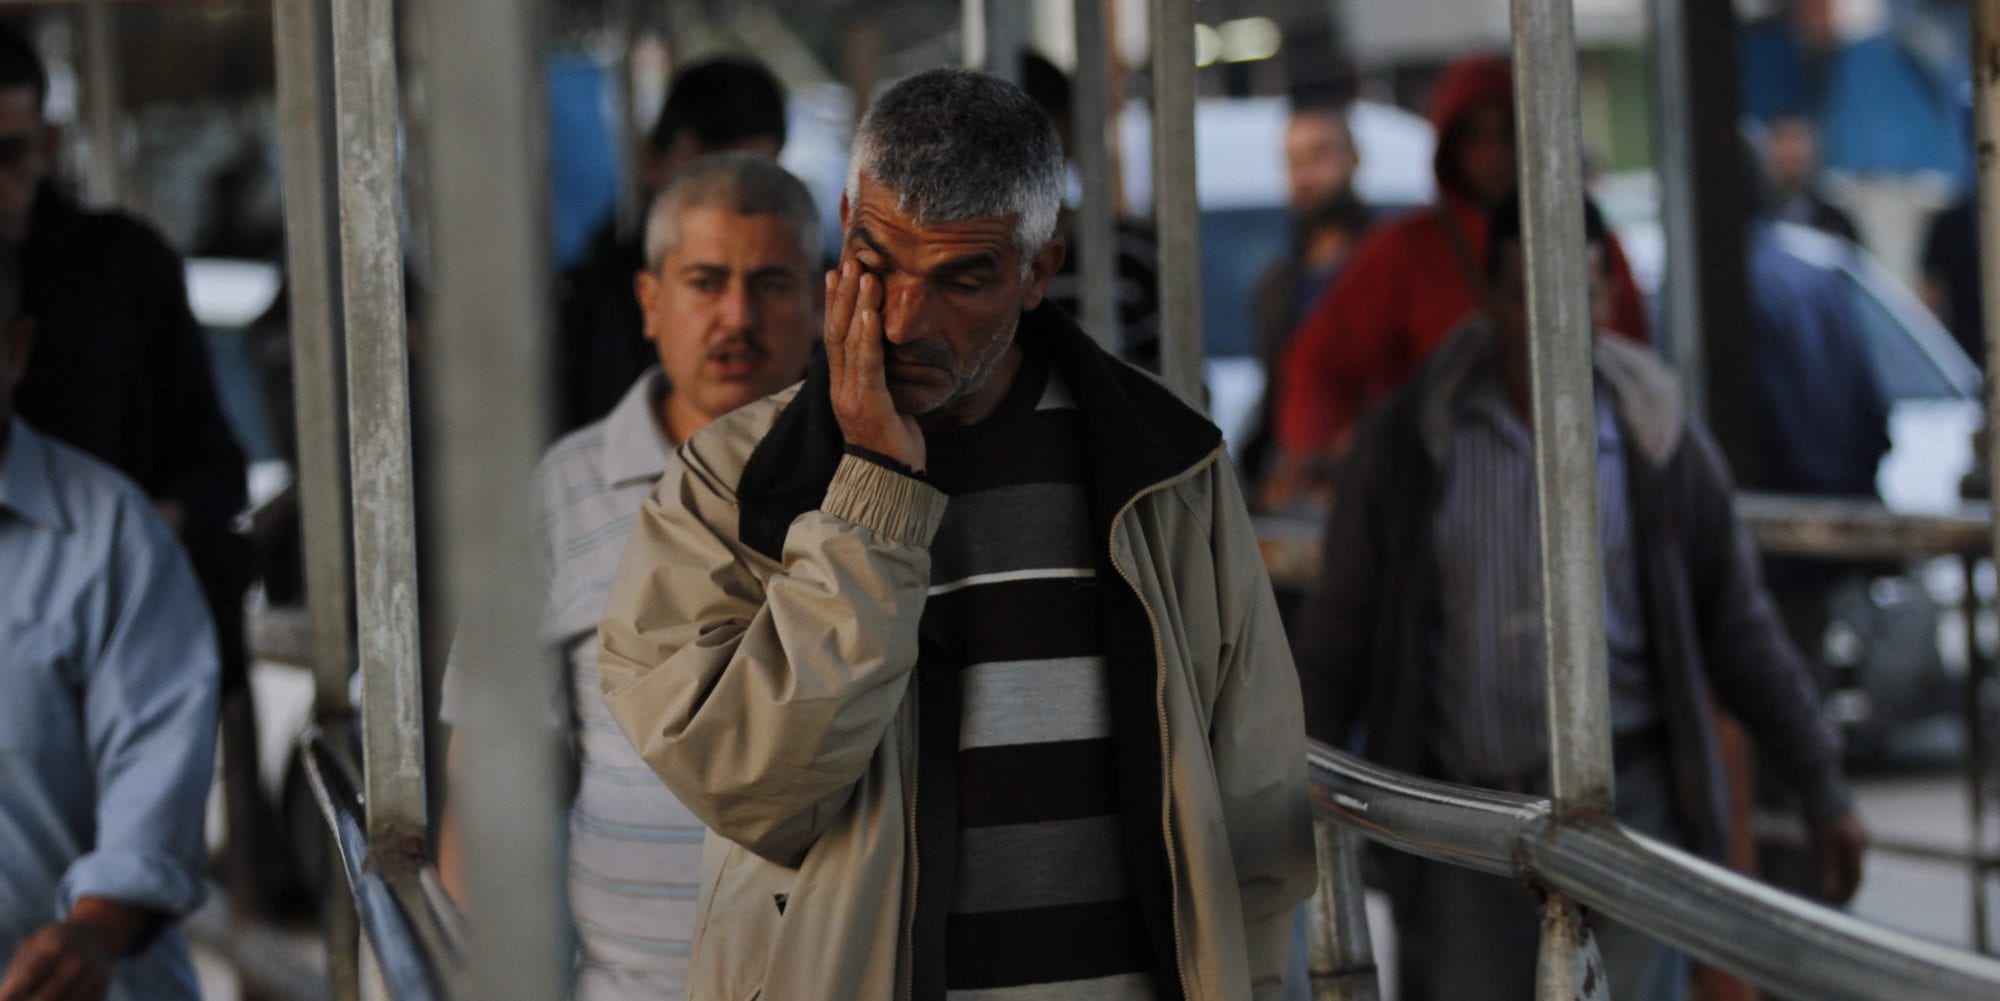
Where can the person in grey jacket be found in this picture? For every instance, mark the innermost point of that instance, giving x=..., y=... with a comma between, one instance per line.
x=1421, y=647
x=963, y=649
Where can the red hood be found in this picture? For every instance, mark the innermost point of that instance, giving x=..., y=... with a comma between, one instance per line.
x=1468, y=83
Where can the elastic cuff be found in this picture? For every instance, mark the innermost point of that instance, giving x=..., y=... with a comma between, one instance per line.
x=899, y=508
x=889, y=463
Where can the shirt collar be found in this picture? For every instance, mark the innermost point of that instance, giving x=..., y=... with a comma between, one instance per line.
x=24, y=479
x=634, y=446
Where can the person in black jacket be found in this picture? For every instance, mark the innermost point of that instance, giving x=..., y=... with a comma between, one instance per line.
x=1422, y=645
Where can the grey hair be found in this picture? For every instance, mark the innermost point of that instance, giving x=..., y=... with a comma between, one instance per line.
x=956, y=145
x=743, y=183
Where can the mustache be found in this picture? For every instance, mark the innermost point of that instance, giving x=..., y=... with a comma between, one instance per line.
x=920, y=353
x=734, y=344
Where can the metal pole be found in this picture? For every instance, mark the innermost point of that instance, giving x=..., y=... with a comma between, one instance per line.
x=1006, y=23
x=302, y=33
x=1559, y=350
x=1986, y=114
x=107, y=171
x=1564, y=412
x=1674, y=132
x=1096, y=244
x=1975, y=754
x=490, y=224
x=1176, y=215
x=1342, y=957
x=378, y=400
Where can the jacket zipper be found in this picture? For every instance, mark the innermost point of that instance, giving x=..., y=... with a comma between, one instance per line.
x=910, y=814
x=1160, y=709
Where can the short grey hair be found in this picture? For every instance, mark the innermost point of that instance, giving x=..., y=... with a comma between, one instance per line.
x=743, y=183
x=956, y=145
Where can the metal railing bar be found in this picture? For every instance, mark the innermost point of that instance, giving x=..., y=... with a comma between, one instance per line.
x=409, y=949
x=1176, y=215
x=1779, y=524
x=1780, y=942
x=1096, y=228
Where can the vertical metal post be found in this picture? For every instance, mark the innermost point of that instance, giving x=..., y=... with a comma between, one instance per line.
x=1006, y=24
x=107, y=170
x=1096, y=243
x=302, y=30
x=1564, y=412
x=1986, y=127
x=1673, y=131
x=378, y=400
x=1564, y=417
x=1176, y=214
x=1341, y=958
x=302, y=38
x=1976, y=751
x=490, y=221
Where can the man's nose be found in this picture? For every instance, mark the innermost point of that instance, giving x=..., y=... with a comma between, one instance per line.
x=903, y=314
x=736, y=312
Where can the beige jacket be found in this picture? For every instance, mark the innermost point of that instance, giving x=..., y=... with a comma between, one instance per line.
x=759, y=650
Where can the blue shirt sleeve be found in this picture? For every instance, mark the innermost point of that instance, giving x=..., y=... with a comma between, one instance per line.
x=149, y=704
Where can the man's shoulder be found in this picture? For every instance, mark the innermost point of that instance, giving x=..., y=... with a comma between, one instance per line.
x=96, y=499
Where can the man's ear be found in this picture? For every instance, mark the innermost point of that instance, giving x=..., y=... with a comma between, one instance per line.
x=52, y=135
x=645, y=286
x=1042, y=270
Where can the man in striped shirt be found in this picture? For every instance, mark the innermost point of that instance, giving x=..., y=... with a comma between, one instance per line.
x=964, y=649
x=1423, y=641
x=730, y=307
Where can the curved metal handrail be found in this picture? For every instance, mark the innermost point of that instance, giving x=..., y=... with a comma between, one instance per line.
x=1777, y=941
x=404, y=953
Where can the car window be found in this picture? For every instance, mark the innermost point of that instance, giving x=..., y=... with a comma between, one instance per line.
x=1902, y=367
x=1236, y=246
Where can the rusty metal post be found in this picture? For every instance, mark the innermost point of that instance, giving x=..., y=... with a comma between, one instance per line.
x=1341, y=960
x=378, y=400
x=1986, y=127
x=1176, y=215
x=1096, y=244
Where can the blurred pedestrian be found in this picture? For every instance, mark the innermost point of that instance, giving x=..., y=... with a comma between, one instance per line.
x=1327, y=219
x=1423, y=643
x=1408, y=285
x=719, y=105
x=107, y=718
x=732, y=247
x=1791, y=166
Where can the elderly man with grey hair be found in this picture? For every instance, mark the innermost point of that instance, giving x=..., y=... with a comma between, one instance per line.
x=730, y=306
x=962, y=649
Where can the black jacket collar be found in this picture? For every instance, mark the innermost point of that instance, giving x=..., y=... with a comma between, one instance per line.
x=1139, y=434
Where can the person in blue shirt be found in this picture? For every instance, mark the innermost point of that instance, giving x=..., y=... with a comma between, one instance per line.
x=108, y=686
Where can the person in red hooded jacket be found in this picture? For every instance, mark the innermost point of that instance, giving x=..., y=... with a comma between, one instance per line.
x=1409, y=284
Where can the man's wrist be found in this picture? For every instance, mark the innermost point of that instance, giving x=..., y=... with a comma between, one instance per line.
x=112, y=926
x=888, y=462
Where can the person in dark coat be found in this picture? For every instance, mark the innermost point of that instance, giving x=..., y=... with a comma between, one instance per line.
x=1421, y=647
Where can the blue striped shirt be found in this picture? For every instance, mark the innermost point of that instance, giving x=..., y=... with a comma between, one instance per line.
x=1488, y=691
x=634, y=850
x=108, y=671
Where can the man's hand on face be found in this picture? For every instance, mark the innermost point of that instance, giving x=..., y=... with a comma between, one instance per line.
x=861, y=401
x=59, y=962
x=1837, y=847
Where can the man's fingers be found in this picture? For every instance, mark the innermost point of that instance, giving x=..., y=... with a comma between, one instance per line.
x=29, y=970
x=864, y=338
x=840, y=303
